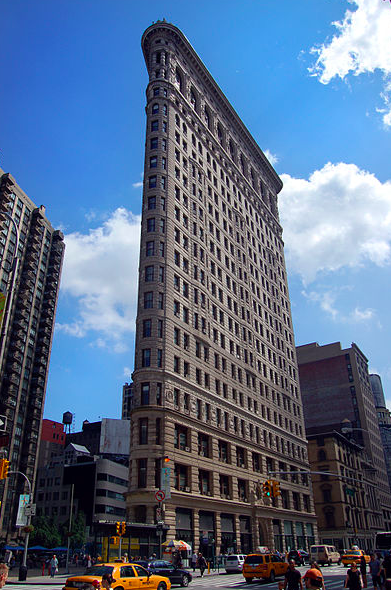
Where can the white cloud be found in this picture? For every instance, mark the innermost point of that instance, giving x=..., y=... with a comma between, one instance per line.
x=339, y=217
x=361, y=45
x=327, y=302
x=137, y=184
x=273, y=159
x=100, y=272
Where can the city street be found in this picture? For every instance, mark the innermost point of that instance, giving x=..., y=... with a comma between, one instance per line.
x=334, y=579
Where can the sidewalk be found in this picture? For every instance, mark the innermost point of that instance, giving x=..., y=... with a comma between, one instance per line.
x=34, y=576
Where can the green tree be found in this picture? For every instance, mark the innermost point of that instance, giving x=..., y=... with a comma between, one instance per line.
x=78, y=531
x=46, y=532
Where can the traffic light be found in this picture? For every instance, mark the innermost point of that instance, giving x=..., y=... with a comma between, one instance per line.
x=276, y=489
x=267, y=489
x=166, y=460
x=4, y=468
x=123, y=527
x=118, y=527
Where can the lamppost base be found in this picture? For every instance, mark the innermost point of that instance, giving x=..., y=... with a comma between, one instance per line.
x=22, y=573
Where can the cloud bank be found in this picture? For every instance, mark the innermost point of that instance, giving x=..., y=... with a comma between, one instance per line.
x=339, y=217
x=361, y=45
x=100, y=272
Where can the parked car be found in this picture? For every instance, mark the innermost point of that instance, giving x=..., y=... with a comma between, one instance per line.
x=299, y=555
x=263, y=566
x=165, y=568
x=234, y=563
x=354, y=555
x=126, y=575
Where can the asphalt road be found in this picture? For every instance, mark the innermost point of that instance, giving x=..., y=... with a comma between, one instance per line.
x=334, y=577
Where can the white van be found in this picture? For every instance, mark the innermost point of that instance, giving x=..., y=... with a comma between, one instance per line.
x=234, y=563
x=324, y=554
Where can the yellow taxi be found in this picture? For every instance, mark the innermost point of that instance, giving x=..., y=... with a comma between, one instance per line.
x=263, y=566
x=127, y=576
x=352, y=555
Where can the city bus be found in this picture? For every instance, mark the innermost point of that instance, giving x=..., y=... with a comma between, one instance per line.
x=383, y=541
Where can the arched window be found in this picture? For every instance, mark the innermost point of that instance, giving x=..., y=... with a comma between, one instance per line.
x=158, y=57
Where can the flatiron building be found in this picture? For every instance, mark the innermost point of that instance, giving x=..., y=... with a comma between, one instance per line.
x=216, y=397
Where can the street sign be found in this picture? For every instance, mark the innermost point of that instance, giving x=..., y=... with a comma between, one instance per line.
x=165, y=481
x=159, y=496
x=3, y=423
x=30, y=510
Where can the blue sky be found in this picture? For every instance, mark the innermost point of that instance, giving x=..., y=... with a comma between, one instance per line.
x=311, y=79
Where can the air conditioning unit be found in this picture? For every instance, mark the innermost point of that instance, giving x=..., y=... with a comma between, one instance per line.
x=187, y=449
x=187, y=489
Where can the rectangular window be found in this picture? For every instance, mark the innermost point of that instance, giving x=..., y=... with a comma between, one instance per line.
x=159, y=357
x=142, y=473
x=152, y=181
x=147, y=328
x=148, y=300
x=150, y=248
x=143, y=431
x=153, y=162
x=146, y=357
x=160, y=328
x=149, y=274
x=161, y=274
x=155, y=125
x=152, y=202
x=151, y=224
x=154, y=143
x=144, y=394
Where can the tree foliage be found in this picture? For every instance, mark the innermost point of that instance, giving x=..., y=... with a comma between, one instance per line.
x=45, y=532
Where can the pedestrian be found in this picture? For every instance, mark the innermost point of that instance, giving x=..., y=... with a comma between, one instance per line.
x=201, y=564
x=3, y=574
x=374, y=569
x=107, y=580
x=363, y=571
x=313, y=579
x=292, y=577
x=53, y=566
x=386, y=570
x=353, y=579
x=194, y=561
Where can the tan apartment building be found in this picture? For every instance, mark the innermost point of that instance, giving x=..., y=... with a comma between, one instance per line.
x=336, y=379
x=215, y=385
x=346, y=503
